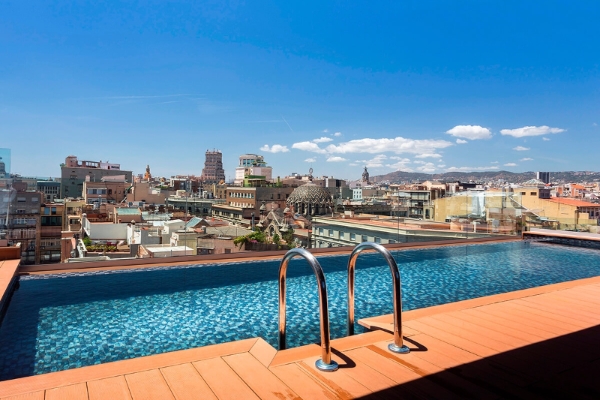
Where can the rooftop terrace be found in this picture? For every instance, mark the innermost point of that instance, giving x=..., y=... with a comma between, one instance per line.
x=534, y=343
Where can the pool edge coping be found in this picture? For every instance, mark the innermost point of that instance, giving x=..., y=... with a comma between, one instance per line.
x=106, y=370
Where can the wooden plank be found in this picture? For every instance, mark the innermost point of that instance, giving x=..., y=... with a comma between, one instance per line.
x=360, y=372
x=498, y=340
x=186, y=383
x=537, y=322
x=430, y=388
x=473, y=368
x=71, y=392
x=352, y=342
x=341, y=384
x=295, y=354
x=107, y=370
x=110, y=388
x=466, y=332
x=571, y=299
x=303, y=384
x=263, y=352
x=27, y=396
x=523, y=360
x=503, y=326
x=259, y=378
x=222, y=380
x=148, y=385
x=589, y=317
x=455, y=340
x=545, y=314
x=581, y=294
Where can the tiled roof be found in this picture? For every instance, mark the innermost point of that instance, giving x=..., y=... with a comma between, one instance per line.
x=573, y=202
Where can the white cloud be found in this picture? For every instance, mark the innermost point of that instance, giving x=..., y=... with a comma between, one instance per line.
x=325, y=130
x=469, y=169
x=375, y=162
x=397, y=145
x=545, y=139
x=353, y=164
x=400, y=164
x=312, y=159
x=494, y=162
x=337, y=134
x=276, y=148
x=471, y=132
x=441, y=166
x=520, y=148
x=323, y=139
x=461, y=141
x=526, y=159
x=510, y=164
x=420, y=162
x=429, y=155
x=427, y=168
x=530, y=131
x=308, y=146
x=594, y=124
x=336, y=159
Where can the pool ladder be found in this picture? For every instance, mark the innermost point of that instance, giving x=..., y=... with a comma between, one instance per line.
x=326, y=363
x=397, y=346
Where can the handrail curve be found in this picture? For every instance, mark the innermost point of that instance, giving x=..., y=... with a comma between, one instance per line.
x=325, y=363
x=397, y=346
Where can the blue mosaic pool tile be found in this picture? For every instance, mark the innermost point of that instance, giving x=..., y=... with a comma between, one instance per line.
x=56, y=323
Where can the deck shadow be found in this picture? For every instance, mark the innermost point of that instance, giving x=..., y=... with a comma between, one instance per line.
x=564, y=367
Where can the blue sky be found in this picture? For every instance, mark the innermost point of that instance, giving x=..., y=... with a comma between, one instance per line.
x=417, y=86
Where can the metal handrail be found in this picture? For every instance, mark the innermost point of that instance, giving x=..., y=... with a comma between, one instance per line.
x=397, y=346
x=326, y=363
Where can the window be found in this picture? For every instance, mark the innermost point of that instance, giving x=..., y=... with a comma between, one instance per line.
x=320, y=231
x=391, y=241
x=533, y=193
x=331, y=233
x=523, y=193
x=353, y=237
x=342, y=234
x=21, y=199
x=377, y=240
x=34, y=199
x=364, y=238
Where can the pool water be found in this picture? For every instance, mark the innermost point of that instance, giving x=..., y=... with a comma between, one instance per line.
x=57, y=322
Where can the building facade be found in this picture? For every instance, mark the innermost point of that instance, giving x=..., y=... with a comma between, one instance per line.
x=252, y=165
x=20, y=223
x=74, y=173
x=51, y=220
x=213, y=171
x=50, y=190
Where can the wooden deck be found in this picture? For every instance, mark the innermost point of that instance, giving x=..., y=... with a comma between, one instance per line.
x=536, y=343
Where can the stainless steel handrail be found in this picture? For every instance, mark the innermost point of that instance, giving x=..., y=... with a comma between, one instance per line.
x=397, y=346
x=326, y=363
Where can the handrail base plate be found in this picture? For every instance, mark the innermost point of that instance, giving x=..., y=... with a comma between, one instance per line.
x=398, y=349
x=321, y=366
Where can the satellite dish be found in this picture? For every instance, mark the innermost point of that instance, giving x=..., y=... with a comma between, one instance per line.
x=310, y=171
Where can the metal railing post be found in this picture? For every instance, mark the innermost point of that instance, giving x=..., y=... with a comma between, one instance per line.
x=325, y=363
x=397, y=346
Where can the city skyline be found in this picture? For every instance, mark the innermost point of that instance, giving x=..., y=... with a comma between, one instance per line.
x=415, y=87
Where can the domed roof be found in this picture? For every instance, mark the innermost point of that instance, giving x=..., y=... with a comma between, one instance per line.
x=310, y=193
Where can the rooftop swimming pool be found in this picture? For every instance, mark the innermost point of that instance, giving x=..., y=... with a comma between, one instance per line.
x=63, y=321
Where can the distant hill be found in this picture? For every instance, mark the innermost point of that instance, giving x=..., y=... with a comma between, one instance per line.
x=487, y=176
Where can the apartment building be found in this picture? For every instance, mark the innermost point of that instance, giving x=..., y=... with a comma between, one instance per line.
x=73, y=174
